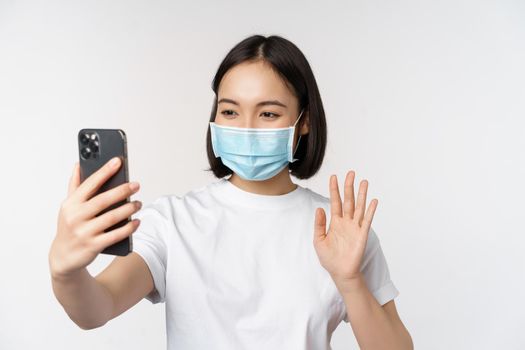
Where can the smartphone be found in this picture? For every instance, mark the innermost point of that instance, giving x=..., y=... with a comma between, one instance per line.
x=95, y=148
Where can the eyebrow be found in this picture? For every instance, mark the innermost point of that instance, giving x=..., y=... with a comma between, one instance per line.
x=262, y=103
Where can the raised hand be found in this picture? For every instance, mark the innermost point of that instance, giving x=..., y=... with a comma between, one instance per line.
x=341, y=249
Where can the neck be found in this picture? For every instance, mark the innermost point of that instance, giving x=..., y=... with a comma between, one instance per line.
x=277, y=185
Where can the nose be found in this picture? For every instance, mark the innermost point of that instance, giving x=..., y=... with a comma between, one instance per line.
x=249, y=122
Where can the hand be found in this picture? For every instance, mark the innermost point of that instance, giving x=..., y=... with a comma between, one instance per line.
x=80, y=233
x=341, y=250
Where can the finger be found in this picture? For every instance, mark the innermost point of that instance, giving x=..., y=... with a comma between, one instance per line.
x=367, y=220
x=97, y=179
x=361, y=201
x=349, y=198
x=74, y=180
x=320, y=225
x=335, y=198
x=107, y=198
x=100, y=223
x=106, y=239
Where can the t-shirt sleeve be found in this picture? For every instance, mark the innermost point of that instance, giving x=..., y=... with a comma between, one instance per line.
x=149, y=241
x=375, y=272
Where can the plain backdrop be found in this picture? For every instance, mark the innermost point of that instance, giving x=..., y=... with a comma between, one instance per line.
x=425, y=99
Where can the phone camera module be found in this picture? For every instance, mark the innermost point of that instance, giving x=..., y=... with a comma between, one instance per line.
x=90, y=145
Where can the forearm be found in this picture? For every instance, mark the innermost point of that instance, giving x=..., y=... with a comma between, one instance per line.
x=371, y=325
x=85, y=300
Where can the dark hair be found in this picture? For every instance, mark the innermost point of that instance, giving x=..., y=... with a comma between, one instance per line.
x=290, y=63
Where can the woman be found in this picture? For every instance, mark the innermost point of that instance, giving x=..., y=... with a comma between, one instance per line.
x=244, y=262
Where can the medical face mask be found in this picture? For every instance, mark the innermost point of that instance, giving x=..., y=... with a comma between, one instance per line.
x=254, y=153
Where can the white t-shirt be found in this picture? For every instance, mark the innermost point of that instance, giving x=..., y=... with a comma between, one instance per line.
x=238, y=270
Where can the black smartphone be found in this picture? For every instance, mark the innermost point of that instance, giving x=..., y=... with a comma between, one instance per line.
x=96, y=147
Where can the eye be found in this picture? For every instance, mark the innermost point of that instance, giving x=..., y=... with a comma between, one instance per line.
x=227, y=112
x=272, y=116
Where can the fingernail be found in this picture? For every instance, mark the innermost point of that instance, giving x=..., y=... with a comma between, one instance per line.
x=114, y=162
x=134, y=186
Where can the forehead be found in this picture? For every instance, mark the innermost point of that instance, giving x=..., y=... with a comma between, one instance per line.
x=251, y=82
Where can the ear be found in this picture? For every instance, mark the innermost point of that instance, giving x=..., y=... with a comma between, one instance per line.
x=305, y=125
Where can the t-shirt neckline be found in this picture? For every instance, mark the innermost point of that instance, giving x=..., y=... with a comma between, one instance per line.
x=237, y=195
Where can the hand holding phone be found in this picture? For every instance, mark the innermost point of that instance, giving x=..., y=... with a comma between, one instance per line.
x=96, y=147
x=91, y=219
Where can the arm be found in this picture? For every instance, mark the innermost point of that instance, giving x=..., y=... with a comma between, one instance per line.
x=374, y=326
x=341, y=250
x=93, y=301
x=81, y=236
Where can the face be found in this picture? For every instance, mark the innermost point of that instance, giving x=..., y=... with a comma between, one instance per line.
x=252, y=95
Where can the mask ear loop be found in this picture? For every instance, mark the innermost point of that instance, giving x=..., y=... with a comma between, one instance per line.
x=299, y=139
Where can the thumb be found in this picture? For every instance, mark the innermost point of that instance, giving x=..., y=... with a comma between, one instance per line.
x=320, y=225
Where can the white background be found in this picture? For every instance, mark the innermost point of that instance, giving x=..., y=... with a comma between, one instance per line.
x=424, y=99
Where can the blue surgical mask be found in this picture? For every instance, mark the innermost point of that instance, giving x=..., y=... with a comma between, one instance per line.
x=254, y=153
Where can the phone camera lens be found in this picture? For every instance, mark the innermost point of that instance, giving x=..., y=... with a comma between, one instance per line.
x=84, y=139
x=85, y=152
x=94, y=146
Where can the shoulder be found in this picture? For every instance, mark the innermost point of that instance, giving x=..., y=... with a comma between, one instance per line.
x=156, y=211
x=316, y=198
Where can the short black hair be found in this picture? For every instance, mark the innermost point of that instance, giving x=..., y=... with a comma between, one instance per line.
x=290, y=63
